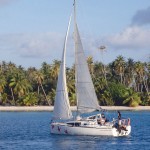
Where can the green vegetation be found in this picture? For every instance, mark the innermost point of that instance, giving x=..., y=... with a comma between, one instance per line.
x=118, y=83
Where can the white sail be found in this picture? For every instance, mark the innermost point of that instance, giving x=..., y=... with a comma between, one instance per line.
x=62, y=106
x=86, y=96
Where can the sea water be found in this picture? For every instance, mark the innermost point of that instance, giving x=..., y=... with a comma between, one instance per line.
x=31, y=131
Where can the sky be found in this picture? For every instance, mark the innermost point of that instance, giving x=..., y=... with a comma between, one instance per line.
x=33, y=31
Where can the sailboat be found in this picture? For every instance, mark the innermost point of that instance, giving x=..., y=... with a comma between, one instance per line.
x=63, y=121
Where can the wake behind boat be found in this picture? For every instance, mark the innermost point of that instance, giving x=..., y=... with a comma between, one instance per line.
x=63, y=121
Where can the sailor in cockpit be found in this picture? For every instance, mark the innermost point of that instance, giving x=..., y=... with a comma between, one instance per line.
x=101, y=119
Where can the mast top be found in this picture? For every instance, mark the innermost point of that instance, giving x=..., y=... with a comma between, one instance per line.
x=74, y=5
x=74, y=2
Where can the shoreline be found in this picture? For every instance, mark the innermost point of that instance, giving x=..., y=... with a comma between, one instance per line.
x=73, y=108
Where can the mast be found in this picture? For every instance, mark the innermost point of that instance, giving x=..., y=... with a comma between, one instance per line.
x=74, y=12
x=75, y=34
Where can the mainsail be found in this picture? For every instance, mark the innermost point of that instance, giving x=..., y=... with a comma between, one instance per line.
x=62, y=106
x=86, y=96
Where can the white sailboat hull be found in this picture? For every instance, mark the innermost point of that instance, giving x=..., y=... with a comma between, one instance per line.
x=93, y=130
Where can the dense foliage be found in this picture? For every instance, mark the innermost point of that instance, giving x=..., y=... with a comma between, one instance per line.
x=118, y=83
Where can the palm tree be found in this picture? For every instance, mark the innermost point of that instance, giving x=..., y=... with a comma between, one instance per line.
x=139, y=69
x=106, y=98
x=51, y=96
x=46, y=69
x=145, y=77
x=55, y=69
x=39, y=77
x=30, y=99
x=99, y=83
x=71, y=84
x=119, y=66
x=90, y=64
x=20, y=84
x=2, y=85
x=3, y=66
x=145, y=99
x=118, y=92
x=132, y=99
x=20, y=68
x=12, y=70
x=30, y=73
x=98, y=69
x=10, y=75
x=129, y=73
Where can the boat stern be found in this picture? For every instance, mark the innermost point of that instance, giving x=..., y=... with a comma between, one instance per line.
x=121, y=132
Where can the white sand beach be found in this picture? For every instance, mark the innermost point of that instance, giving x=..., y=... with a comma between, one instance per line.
x=73, y=108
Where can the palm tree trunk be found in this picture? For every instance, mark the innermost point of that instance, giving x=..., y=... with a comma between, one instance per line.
x=141, y=90
x=12, y=94
x=141, y=79
x=121, y=77
x=146, y=86
x=105, y=74
x=38, y=89
x=44, y=94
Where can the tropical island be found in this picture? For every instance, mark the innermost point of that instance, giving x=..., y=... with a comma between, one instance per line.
x=120, y=83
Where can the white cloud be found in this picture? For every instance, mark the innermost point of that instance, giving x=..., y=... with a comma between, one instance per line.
x=132, y=37
x=31, y=45
x=32, y=49
x=132, y=42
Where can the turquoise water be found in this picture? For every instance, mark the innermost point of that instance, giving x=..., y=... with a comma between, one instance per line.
x=30, y=131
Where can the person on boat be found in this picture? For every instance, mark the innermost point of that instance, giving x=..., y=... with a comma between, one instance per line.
x=102, y=119
x=119, y=121
x=103, y=116
x=119, y=118
x=120, y=125
x=119, y=115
